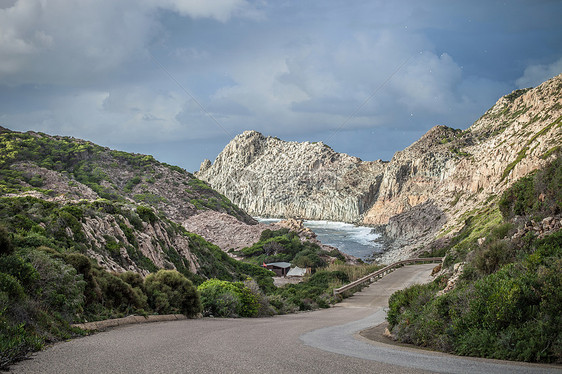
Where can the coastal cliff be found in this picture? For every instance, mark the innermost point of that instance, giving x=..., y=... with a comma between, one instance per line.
x=424, y=189
x=270, y=177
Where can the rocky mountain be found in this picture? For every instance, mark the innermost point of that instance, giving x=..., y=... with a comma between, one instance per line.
x=273, y=178
x=424, y=190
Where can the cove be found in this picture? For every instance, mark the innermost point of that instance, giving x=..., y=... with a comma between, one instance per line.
x=358, y=241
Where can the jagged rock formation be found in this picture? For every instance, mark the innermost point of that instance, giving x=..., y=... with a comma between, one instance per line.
x=437, y=179
x=153, y=241
x=269, y=177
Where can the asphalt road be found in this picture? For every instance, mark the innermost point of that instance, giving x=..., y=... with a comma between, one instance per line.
x=324, y=341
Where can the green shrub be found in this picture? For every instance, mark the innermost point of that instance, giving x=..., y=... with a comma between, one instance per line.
x=169, y=291
x=308, y=259
x=494, y=255
x=15, y=342
x=512, y=313
x=538, y=195
x=131, y=183
x=11, y=287
x=228, y=299
x=284, y=245
x=60, y=287
x=146, y=214
x=316, y=291
x=135, y=280
x=23, y=271
x=118, y=296
x=264, y=306
x=33, y=240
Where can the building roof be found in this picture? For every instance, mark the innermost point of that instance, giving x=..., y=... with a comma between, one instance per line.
x=282, y=265
x=296, y=272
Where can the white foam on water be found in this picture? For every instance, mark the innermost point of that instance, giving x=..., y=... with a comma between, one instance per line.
x=351, y=239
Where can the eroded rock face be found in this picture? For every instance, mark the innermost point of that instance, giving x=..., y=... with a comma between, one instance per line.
x=101, y=228
x=225, y=231
x=269, y=177
x=452, y=171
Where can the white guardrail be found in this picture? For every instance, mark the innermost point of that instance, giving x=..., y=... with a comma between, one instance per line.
x=384, y=271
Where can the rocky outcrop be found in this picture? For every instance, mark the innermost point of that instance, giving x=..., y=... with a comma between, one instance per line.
x=224, y=231
x=269, y=177
x=228, y=233
x=425, y=188
x=153, y=241
x=297, y=225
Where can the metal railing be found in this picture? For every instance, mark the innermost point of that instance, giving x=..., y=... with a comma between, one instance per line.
x=384, y=271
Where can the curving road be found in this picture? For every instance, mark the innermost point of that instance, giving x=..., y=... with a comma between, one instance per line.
x=317, y=342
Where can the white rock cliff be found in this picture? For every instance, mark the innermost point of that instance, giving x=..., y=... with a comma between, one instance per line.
x=444, y=174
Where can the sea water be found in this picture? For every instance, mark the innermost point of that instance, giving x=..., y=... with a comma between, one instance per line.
x=358, y=241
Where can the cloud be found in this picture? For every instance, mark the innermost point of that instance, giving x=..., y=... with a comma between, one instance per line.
x=114, y=72
x=536, y=74
x=83, y=42
x=221, y=10
x=371, y=80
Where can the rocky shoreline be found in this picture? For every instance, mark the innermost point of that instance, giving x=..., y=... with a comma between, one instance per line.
x=425, y=190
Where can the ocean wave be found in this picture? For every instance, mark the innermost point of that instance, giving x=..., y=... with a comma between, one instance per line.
x=352, y=239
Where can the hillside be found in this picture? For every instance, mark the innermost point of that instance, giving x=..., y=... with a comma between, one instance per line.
x=498, y=292
x=107, y=189
x=425, y=190
x=67, y=169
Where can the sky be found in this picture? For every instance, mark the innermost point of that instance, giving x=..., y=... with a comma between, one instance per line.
x=178, y=79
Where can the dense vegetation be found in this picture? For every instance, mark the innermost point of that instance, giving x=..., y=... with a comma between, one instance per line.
x=112, y=175
x=45, y=247
x=43, y=291
x=507, y=302
x=47, y=282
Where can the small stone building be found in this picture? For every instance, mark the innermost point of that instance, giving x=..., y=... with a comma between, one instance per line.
x=279, y=268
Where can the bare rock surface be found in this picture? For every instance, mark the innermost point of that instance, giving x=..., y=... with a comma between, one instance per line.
x=224, y=230
x=451, y=171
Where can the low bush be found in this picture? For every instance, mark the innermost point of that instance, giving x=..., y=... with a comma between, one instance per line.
x=284, y=245
x=228, y=299
x=507, y=302
x=15, y=342
x=59, y=286
x=146, y=214
x=511, y=313
x=315, y=292
x=6, y=246
x=169, y=291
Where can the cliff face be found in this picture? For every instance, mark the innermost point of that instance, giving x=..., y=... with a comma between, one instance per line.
x=269, y=177
x=437, y=179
